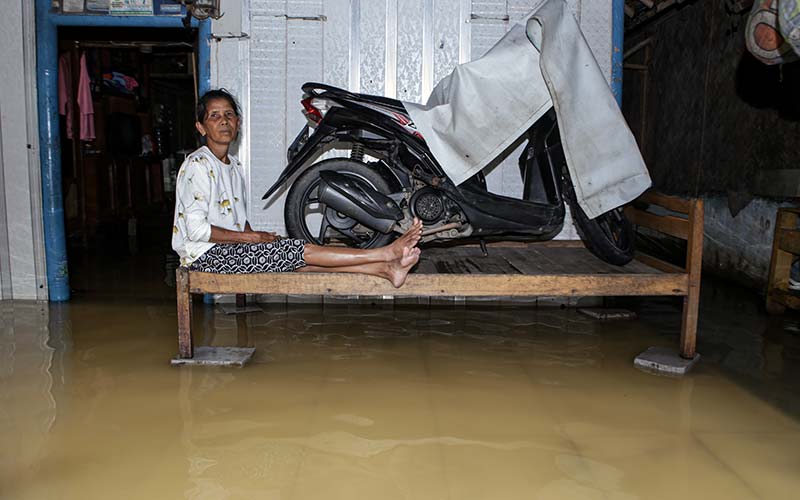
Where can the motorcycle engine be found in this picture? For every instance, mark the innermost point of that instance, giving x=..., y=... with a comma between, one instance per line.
x=430, y=205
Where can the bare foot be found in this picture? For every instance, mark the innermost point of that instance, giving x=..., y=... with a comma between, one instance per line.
x=409, y=239
x=398, y=269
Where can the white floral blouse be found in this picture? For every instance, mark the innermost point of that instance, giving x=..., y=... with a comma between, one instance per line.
x=207, y=192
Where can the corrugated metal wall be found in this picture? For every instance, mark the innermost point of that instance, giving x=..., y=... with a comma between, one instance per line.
x=397, y=48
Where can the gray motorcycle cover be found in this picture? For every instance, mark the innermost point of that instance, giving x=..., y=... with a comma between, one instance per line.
x=484, y=106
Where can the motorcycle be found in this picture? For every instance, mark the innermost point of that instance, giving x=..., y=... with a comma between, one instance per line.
x=389, y=176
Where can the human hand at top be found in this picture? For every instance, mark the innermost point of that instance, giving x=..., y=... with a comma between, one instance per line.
x=264, y=236
x=259, y=236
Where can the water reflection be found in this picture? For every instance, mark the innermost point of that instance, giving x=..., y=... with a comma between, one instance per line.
x=32, y=344
x=394, y=402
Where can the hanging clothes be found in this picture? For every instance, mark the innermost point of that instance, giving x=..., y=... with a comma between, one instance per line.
x=65, y=90
x=85, y=103
x=768, y=27
x=120, y=82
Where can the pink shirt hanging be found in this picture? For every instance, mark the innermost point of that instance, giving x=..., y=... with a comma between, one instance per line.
x=65, y=91
x=85, y=103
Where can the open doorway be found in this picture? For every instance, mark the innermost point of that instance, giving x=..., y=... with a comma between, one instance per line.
x=127, y=98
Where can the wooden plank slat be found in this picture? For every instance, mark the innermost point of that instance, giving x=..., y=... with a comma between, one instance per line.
x=658, y=263
x=534, y=259
x=574, y=261
x=426, y=265
x=526, y=261
x=467, y=260
x=674, y=203
x=584, y=261
x=638, y=267
x=472, y=285
x=493, y=264
x=454, y=261
x=448, y=267
x=551, y=261
x=546, y=259
x=668, y=224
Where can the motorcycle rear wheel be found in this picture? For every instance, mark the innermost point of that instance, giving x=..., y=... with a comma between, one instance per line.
x=309, y=219
x=609, y=236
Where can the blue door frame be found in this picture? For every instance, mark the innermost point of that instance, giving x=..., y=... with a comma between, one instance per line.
x=617, y=47
x=47, y=24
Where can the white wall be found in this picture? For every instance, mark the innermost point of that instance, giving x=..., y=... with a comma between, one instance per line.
x=21, y=264
x=740, y=248
x=397, y=48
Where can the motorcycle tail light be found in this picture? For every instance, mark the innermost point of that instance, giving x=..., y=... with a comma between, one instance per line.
x=315, y=109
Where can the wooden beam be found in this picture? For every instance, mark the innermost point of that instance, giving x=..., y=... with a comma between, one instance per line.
x=674, y=203
x=185, y=347
x=668, y=224
x=467, y=285
x=694, y=264
x=659, y=264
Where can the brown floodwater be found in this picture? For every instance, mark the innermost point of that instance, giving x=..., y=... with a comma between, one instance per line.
x=373, y=401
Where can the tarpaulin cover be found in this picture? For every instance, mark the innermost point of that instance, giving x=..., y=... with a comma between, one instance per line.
x=480, y=109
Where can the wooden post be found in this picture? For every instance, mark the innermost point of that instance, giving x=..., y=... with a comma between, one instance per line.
x=781, y=264
x=241, y=300
x=185, y=347
x=694, y=264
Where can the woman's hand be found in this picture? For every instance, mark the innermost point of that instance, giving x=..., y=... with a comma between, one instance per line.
x=261, y=236
x=221, y=235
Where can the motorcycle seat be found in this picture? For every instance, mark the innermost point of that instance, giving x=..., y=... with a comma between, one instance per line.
x=312, y=89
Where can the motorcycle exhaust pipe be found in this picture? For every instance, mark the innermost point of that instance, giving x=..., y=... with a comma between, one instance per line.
x=358, y=200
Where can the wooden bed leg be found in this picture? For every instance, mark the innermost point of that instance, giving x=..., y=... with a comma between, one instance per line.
x=694, y=264
x=241, y=300
x=689, y=325
x=185, y=347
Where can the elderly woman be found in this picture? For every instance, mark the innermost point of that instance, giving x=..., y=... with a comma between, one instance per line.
x=210, y=228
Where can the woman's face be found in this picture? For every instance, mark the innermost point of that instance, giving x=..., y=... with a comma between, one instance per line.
x=221, y=125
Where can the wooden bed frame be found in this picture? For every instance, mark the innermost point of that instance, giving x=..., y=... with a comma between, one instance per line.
x=554, y=268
